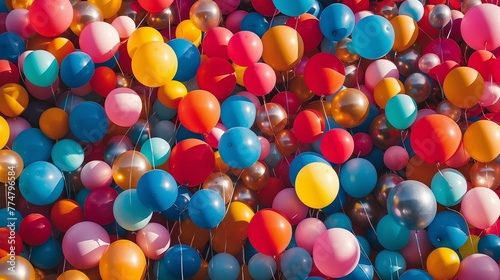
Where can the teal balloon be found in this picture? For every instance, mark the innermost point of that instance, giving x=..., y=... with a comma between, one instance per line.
x=41, y=68
x=67, y=155
x=238, y=111
x=338, y=220
x=298, y=8
x=32, y=145
x=129, y=212
x=336, y=22
x=181, y=261
x=412, y=8
x=239, y=147
x=224, y=266
x=401, y=111
x=48, y=255
x=11, y=45
x=296, y=263
x=261, y=267
x=156, y=150
x=363, y=271
x=391, y=235
x=88, y=122
x=372, y=37
x=415, y=274
x=449, y=186
x=8, y=215
x=358, y=177
x=389, y=265
x=41, y=183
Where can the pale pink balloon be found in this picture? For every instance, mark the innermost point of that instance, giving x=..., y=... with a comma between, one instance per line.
x=288, y=203
x=18, y=21
x=213, y=136
x=233, y=20
x=396, y=158
x=123, y=107
x=478, y=266
x=481, y=207
x=491, y=94
x=100, y=41
x=154, y=240
x=413, y=249
x=16, y=126
x=379, y=69
x=307, y=231
x=96, y=174
x=124, y=25
x=265, y=148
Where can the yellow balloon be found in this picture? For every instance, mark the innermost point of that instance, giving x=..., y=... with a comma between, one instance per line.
x=385, y=89
x=443, y=263
x=11, y=166
x=481, y=140
x=108, y=8
x=13, y=99
x=17, y=268
x=171, y=93
x=141, y=36
x=463, y=86
x=239, y=71
x=73, y=274
x=470, y=246
x=283, y=47
x=405, y=31
x=317, y=185
x=186, y=30
x=123, y=260
x=4, y=132
x=154, y=64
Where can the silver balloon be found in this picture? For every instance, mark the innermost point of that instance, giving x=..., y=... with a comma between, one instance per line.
x=418, y=86
x=407, y=61
x=412, y=204
x=440, y=16
x=385, y=184
x=363, y=211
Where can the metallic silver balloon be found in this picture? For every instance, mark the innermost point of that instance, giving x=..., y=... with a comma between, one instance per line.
x=407, y=61
x=447, y=108
x=363, y=211
x=385, y=184
x=412, y=204
x=440, y=16
x=418, y=86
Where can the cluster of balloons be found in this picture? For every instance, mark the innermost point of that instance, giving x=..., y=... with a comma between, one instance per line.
x=249, y=139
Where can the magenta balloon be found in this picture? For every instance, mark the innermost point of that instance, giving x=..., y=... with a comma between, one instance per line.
x=245, y=48
x=289, y=205
x=123, y=107
x=96, y=174
x=307, y=232
x=479, y=27
x=481, y=207
x=379, y=69
x=100, y=41
x=154, y=240
x=478, y=266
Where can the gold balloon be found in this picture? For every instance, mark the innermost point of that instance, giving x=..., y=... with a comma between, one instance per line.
x=271, y=118
x=205, y=14
x=220, y=183
x=299, y=87
x=485, y=175
x=133, y=10
x=246, y=195
x=286, y=142
x=11, y=166
x=84, y=13
x=256, y=176
x=448, y=109
x=383, y=134
x=16, y=268
x=364, y=211
x=163, y=19
x=350, y=107
x=128, y=168
x=343, y=52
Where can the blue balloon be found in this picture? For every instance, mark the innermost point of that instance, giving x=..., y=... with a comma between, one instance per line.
x=490, y=246
x=162, y=111
x=254, y=22
x=337, y=204
x=299, y=7
x=11, y=46
x=88, y=122
x=391, y=234
x=81, y=196
x=164, y=129
x=401, y=111
x=77, y=68
x=415, y=274
x=156, y=150
x=239, y=147
x=296, y=263
x=9, y=217
x=157, y=190
x=389, y=264
x=188, y=59
x=448, y=229
x=41, y=183
x=181, y=261
x=67, y=155
x=41, y=68
x=237, y=111
x=129, y=212
x=179, y=210
x=224, y=266
x=48, y=255
x=364, y=270
x=449, y=186
x=372, y=38
x=336, y=22
x=358, y=177
x=302, y=160
x=206, y=208
x=32, y=145
x=412, y=8
x=338, y=220
x=262, y=267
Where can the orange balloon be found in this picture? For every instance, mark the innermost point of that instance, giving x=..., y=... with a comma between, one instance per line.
x=350, y=107
x=199, y=111
x=73, y=274
x=128, y=168
x=481, y=140
x=385, y=89
x=464, y=87
x=54, y=123
x=123, y=260
x=405, y=31
x=65, y=213
x=4, y=132
x=60, y=47
x=13, y=99
x=235, y=223
x=171, y=93
x=282, y=47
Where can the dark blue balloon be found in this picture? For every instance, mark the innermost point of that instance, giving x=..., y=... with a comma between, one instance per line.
x=256, y=23
x=77, y=68
x=206, y=208
x=490, y=245
x=337, y=203
x=302, y=160
x=237, y=111
x=32, y=145
x=179, y=210
x=239, y=147
x=364, y=270
x=48, y=255
x=181, y=261
x=11, y=46
x=88, y=122
x=157, y=190
x=188, y=59
x=415, y=274
x=336, y=22
x=448, y=229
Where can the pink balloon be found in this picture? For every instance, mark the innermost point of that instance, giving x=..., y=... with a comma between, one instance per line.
x=100, y=41
x=478, y=266
x=289, y=205
x=259, y=78
x=252, y=97
x=42, y=93
x=444, y=48
x=123, y=106
x=479, y=25
x=379, y=69
x=396, y=158
x=16, y=125
x=481, y=207
x=124, y=25
x=411, y=252
x=215, y=42
x=84, y=243
x=154, y=240
x=227, y=6
x=234, y=19
x=363, y=144
x=96, y=174
x=213, y=136
x=491, y=94
x=336, y=252
x=245, y=48
x=18, y=21
x=265, y=148
x=307, y=232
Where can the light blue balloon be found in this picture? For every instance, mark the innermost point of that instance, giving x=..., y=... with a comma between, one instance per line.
x=415, y=274
x=358, y=177
x=48, y=255
x=363, y=271
x=224, y=266
x=391, y=234
x=239, y=147
x=163, y=112
x=256, y=23
x=32, y=145
x=157, y=190
x=67, y=155
x=88, y=122
x=412, y=8
x=336, y=22
x=129, y=212
x=373, y=37
x=338, y=220
x=449, y=186
x=401, y=111
x=9, y=216
x=299, y=7
x=41, y=68
x=41, y=183
x=188, y=58
x=156, y=150
x=262, y=267
x=296, y=263
x=206, y=208
x=237, y=111
x=389, y=265
x=77, y=68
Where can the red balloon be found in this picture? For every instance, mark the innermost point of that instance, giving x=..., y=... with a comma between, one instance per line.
x=191, y=161
x=324, y=73
x=35, y=229
x=8, y=72
x=435, y=138
x=446, y=49
x=215, y=42
x=98, y=206
x=268, y=193
x=308, y=126
x=155, y=6
x=363, y=144
x=269, y=232
x=337, y=145
x=259, y=78
x=16, y=240
x=265, y=7
x=103, y=81
x=307, y=26
x=217, y=76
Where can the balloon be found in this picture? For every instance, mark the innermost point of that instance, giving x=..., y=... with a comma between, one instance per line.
x=100, y=41
x=479, y=138
x=372, y=37
x=83, y=14
x=65, y=213
x=139, y=218
x=269, y=232
x=389, y=264
x=482, y=15
x=358, y=177
x=206, y=208
x=123, y=258
x=245, y=48
x=282, y=48
x=181, y=261
x=73, y=274
x=41, y=183
x=98, y=206
x=188, y=59
x=336, y=22
x=11, y=166
x=199, y=111
x=205, y=15
x=464, y=87
x=216, y=43
x=224, y=266
x=405, y=32
x=480, y=207
x=324, y=74
x=23, y=268
x=350, y=107
x=67, y=155
x=449, y=186
x=35, y=229
x=154, y=240
x=41, y=68
x=339, y=246
x=317, y=184
x=261, y=267
x=158, y=56
x=191, y=154
x=50, y=18
x=88, y=122
x=412, y=204
x=443, y=263
x=128, y=168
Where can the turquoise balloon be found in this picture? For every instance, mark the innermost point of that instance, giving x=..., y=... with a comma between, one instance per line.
x=32, y=145
x=296, y=263
x=129, y=212
x=67, y=155
x=261, y=267
x=449, y=186
x=338, y=220
x=48, y=255
x=156, y=150
x=41, y=68
x=299, y=7
x=391, y=235
x=358, y=177
x=401, y=111
x=41, y=183
x=412, y=8
x=389, y=265
x=224, y=266
x=373, y=37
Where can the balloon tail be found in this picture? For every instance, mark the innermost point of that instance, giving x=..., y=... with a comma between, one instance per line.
x=419, y=250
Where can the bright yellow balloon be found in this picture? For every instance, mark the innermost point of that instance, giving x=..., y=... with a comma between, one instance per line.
x=186, y=30
x=239, y=71
x=405, y=31
x=123, y=260
x=470, y=246
x=141, y=36
x=13, y=99
x=463, y=86
x=23, y=269
x=317, y=185
x=108, y=8
x=481, y=140
x=73, y=274
x=154, y=64
x=283, y=47
x=443, y=263
x=171, y=93
x=4, y=132
x=385, y=89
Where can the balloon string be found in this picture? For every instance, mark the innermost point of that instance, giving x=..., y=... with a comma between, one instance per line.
x=419, y=250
